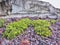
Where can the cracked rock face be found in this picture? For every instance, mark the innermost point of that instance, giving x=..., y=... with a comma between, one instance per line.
x=41, y=8
x=5, y=7
x=38, y=7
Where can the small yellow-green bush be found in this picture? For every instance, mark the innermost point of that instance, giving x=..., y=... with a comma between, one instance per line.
x=39, y=22
x=15, y=28
x=41, y=27
x=1, y=22
x=53, y=21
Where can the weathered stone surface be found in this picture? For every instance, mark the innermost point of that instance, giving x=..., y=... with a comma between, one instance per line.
x=37, y=7
x=5, y=7
x=34, y=7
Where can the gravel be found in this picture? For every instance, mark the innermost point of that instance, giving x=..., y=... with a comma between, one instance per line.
x=35, y=39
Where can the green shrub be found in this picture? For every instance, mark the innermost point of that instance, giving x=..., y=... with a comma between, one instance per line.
x=27, y=21
x=53, y=21
x=39, y=22
x=16, y=28
x=1, y=22
x=41, y=27
x=44, y=32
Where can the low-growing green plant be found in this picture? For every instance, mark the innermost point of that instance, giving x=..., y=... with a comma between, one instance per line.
x=53, y=21
x=27, y=21
x=1, y=22
x=39, y=22
x=41, y=27
x=44, y=32
x=16, y=28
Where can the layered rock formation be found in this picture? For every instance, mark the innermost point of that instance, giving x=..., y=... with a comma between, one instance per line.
x=36, y=7
x=41, y=8
x=5, y=7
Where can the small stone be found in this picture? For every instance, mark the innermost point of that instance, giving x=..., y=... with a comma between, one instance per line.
x=58, y=35
x=1, y=30
x=25, y=42
x=37, y=42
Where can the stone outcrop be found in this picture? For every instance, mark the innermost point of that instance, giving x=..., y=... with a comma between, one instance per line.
x=36, y=7
x=41, y=8
x=5, y=7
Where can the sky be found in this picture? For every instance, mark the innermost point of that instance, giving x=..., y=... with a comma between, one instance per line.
x=55, y=3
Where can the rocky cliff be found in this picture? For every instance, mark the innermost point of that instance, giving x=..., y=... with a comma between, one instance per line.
x=41, y=8
x=38, y=7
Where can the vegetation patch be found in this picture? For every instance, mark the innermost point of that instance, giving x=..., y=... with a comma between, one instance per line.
x=53, y=21
x=41, y=27
x=16, y=28
x=1, y=22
